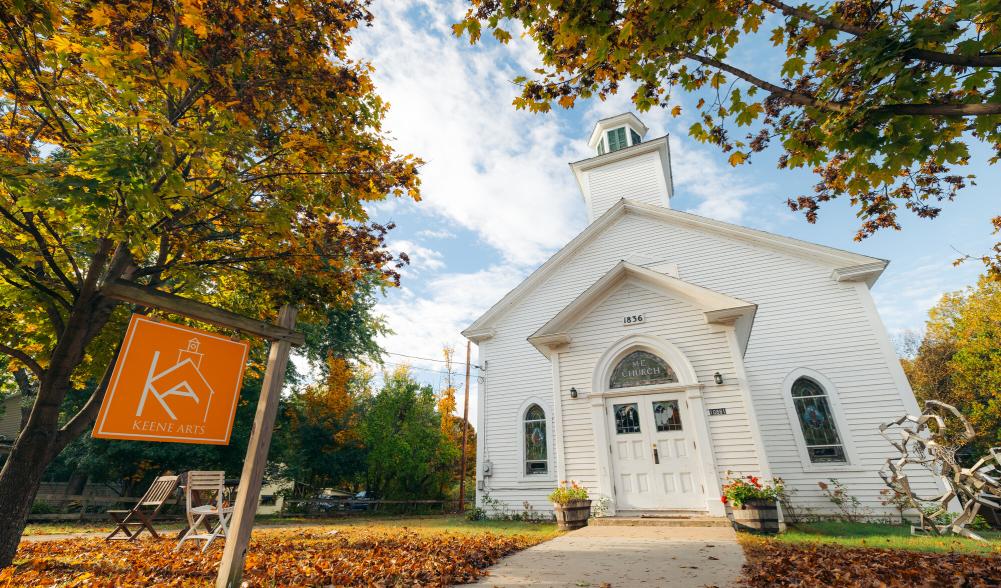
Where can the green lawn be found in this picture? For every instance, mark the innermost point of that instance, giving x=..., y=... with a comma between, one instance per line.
x=888, y=537
x=455, y=523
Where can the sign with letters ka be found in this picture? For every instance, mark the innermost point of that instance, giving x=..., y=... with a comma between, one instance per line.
x=173, y=383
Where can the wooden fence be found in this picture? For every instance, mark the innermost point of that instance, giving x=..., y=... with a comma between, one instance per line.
x=63, y=507
x=342, y=508
x=67, y=507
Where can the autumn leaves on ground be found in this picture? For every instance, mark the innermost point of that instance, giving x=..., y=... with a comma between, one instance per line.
x=774, y=563
x=343, y=556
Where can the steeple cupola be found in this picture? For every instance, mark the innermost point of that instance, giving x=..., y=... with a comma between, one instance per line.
x=618, y=132
x=624, y=166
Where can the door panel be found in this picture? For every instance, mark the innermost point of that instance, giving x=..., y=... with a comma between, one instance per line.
x=653, y=457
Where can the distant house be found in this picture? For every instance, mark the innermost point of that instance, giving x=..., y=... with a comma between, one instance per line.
x=10, y=422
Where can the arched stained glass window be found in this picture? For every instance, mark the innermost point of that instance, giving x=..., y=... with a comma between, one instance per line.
x=641, y=368
x=823, y=443
x=536, y=454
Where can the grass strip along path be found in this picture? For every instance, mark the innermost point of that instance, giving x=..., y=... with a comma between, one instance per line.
x=355, y=554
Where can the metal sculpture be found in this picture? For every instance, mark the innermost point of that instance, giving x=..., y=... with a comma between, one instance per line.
x=925, y=441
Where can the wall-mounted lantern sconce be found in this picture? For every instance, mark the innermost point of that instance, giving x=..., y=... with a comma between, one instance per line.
x=573, y=393
x=718, y=378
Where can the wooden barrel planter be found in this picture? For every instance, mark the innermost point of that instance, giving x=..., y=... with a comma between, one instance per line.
x=573, y=515
x=757, y=516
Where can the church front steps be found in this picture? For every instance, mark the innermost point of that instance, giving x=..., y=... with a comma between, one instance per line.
x=661, y=521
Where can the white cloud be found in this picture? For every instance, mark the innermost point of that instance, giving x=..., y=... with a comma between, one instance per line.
x=423, y=325
x=436, y=234
x=904, y=298
x=421, y=257
x=494, y=170
x=721, y=193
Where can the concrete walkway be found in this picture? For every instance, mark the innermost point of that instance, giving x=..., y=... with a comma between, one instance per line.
x=622, y=557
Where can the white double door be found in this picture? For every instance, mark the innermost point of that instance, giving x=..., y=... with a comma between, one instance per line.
x=653, y=453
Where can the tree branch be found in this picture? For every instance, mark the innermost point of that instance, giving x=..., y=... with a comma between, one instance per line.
x=980, y=60
x=791, y=96
x=24, y=358
x=810, y=16
x=85, y=418
x=941, y=109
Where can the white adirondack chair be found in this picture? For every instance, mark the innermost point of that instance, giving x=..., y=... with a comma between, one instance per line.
x=214, y=508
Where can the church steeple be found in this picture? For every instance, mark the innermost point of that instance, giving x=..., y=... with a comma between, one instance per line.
x=624, y=166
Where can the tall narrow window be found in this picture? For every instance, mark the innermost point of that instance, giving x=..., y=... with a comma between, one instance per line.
x=601, y=147
x=823, y=443
x=635, y=136
x=617, y=139
x=536, y=461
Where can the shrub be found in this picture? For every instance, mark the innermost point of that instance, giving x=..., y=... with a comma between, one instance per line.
x=738, y=491
x=978, y=523
x=848, y=504
x=41, y=508
x=565, y=493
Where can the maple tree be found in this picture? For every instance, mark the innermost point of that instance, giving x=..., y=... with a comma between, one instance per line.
x=880, y=99
x=222, y=151
x=959, y=359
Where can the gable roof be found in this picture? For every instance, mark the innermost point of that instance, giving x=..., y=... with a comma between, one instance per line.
x=848, y=266
x=718, y=308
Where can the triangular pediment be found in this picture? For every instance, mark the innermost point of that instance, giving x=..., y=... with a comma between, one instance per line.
x=845, y=265
x=717, y=308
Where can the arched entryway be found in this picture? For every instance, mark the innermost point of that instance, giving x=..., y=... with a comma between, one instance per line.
x=651, y=419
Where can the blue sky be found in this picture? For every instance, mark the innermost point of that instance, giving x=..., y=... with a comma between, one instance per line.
x=499, y=198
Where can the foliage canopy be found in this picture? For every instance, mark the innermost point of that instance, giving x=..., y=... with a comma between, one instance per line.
x=222, y=151
x=880, y=99
x=959, y=359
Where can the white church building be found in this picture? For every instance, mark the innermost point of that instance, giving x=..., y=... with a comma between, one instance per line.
x=659, y=350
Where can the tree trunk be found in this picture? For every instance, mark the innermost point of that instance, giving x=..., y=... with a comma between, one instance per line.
x=41, y=439
x=19, y=481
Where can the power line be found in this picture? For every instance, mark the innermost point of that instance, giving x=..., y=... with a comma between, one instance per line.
x=414, y=357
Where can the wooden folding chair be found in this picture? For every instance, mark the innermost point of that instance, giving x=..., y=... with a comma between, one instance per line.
x=215, y=507
x=132, y=522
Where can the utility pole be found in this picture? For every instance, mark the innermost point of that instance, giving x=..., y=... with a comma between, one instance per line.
x=465, y=433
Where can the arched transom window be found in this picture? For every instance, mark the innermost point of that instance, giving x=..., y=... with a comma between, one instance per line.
x=536, y=458
x=641, y=368
x=820, y=431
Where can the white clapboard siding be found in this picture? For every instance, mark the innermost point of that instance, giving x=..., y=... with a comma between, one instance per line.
x=685, y=326
x=805, y=319
x=10, y=417
x=639, y=178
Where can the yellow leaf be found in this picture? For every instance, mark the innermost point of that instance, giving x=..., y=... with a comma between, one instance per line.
x=138, y=48
x=100, y=16
x=737, y=158
x=676, y=111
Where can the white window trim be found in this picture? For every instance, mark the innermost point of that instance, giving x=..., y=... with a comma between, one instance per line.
x=608, y=137
x=844, y=432
x=550, y=475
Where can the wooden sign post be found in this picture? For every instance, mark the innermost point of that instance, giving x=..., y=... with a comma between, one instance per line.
x=231, y=566
x=282, y=337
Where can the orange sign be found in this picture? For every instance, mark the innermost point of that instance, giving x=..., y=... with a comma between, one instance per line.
x=173, y=383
